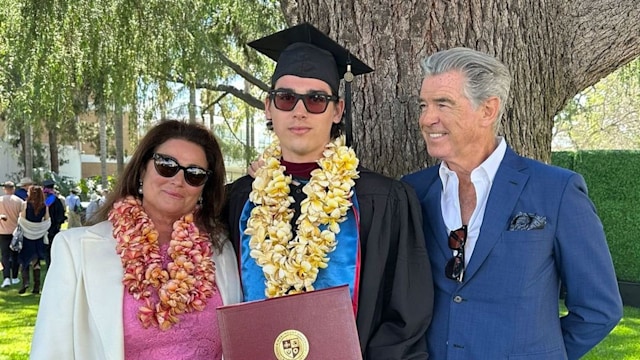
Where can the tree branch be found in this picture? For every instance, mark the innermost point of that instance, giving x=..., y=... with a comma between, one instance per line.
x=244, y=96
x=231, y=130
x=206, y=108
x=600, y=37
x=240, y=71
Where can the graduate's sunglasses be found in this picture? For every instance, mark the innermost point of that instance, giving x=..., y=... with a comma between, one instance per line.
x=454, y=269
x=166, y=166
x=315, y=103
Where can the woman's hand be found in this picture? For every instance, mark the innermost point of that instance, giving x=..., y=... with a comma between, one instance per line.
x=254, y=166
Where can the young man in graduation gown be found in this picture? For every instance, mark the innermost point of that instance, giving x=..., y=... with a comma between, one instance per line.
x=313, y=219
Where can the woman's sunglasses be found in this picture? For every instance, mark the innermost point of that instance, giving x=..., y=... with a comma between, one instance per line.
x=286, y=100
x=166, y=166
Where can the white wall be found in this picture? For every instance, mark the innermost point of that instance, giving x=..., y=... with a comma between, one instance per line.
x=73, y=166
x=10, y=170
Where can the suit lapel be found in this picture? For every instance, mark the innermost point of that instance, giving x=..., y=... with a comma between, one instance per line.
x=434, y=216
x=505, y=192
x=103, y=284
x=428, y=187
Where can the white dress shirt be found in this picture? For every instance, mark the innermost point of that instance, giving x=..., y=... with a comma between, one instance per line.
x=482, y=179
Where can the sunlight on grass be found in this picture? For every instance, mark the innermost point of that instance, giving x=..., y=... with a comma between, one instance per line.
x=17, y=319
x=622, y=343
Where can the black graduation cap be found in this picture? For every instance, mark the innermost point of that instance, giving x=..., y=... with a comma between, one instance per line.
x=305, y=51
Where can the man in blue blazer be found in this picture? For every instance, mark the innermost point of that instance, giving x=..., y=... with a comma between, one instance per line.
x=503, y=231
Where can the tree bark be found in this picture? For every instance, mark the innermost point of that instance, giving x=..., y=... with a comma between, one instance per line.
x=553, y=49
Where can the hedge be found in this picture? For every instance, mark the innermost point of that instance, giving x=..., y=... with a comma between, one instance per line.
x=613, y=182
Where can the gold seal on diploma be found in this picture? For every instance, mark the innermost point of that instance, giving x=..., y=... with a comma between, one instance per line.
x=291, y=345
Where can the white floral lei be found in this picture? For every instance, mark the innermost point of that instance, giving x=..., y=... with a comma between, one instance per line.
x=291, y=266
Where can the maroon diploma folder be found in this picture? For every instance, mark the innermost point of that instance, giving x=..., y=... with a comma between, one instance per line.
x=312, y=326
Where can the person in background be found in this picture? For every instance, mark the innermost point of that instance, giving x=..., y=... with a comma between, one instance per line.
x=103, y=196
x=35, y=222
x=23, y=188
x=63, y=200
x=162, y=223
x=56, y=213
x=74, y=209
x=10, y=206
x=362, y=229
x=504, y=231
x=94, y=204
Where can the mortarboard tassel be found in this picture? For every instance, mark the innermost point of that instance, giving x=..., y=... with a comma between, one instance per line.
x=348, y=129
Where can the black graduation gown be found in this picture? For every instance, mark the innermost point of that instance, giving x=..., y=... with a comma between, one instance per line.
x=56, y=213
x=396, y=291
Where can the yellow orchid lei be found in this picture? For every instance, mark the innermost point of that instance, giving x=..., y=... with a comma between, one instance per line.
x=291, y=266
x=189, y=278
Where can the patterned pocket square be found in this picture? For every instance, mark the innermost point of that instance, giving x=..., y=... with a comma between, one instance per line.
x=527, y=221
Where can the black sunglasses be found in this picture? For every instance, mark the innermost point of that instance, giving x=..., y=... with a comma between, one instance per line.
x=166, y=166
x=315, y=103
x=454, y=269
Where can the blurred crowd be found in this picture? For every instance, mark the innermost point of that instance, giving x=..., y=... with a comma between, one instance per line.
x=40, y=212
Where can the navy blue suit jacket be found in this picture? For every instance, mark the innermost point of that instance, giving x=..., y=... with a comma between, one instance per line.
x=507, y=305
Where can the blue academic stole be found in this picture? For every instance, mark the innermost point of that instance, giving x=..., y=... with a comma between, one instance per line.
x=344, y=263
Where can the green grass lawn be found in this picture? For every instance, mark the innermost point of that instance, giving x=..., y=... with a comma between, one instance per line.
x=18, y=317
x=622, y=343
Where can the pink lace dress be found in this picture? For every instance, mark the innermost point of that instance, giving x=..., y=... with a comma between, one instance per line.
x=195, y=337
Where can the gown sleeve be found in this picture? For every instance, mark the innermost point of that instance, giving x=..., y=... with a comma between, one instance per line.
x=395, y=242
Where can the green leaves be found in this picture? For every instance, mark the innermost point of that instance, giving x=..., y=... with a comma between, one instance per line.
x=605, y=115
x=60, y=59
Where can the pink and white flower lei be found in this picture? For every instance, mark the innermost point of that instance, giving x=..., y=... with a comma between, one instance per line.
x=190, y=275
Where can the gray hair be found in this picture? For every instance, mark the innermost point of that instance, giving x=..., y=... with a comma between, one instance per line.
x=486, y=76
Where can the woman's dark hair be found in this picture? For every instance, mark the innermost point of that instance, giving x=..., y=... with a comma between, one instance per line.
x=36, y=198
x=207, y=218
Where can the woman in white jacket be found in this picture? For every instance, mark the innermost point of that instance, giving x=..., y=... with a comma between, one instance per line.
x=144, y=282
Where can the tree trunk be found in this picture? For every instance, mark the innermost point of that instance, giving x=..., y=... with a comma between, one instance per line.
x=118, y=125
x=249, y=131
x=53, y=149
x=553, y=49
x=192, y=104
x=80, y=136
x=102, y=118
x=28, y=150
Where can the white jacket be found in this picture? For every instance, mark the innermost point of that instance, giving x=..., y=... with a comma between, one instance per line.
x=80, y=314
